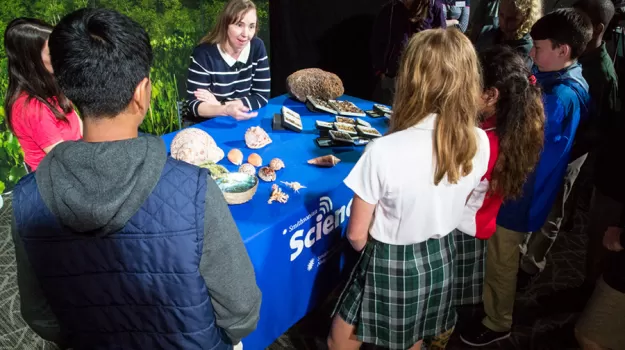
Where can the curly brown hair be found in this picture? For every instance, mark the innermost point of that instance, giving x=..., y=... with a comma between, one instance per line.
x=520, y=119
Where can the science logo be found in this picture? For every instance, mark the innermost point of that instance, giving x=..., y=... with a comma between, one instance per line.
x=326, y=221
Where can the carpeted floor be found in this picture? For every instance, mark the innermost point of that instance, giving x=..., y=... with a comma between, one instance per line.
x=537, y=326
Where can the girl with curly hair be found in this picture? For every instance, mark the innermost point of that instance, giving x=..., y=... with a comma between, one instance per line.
x=513, y=118
x=516, y=18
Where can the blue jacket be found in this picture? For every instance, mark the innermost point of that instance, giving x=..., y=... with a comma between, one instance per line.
x=566, y=101
x=129, y=249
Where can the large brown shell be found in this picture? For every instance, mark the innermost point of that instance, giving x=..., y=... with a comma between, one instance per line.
x=325, y=161
x=235, y=156
x=256, y=137
x=196, y=147
x=267, y=174
x=255, y=160
x=276, y=164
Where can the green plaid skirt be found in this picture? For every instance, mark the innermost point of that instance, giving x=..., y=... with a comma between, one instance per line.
x=470, y=264
x=400, y=294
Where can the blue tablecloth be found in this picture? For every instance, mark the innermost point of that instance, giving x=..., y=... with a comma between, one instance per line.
x=294, y=246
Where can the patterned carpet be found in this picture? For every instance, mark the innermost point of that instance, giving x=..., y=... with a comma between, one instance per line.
x=536, y=326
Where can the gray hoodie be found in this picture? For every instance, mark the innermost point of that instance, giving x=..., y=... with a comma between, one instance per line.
x=95, y=188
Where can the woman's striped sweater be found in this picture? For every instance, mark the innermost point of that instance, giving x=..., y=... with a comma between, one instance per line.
x=250, y=82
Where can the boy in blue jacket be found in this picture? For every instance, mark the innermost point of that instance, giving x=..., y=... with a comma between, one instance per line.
x=559, y=39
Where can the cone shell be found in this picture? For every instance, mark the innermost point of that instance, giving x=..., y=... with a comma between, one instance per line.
x=276, y=164
x=256, y=137
x=247, y=168
x=325, y=161
x=267, y=174
x=235, y=156
x=255, y=160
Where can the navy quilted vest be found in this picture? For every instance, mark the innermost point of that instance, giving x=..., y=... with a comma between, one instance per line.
x=139, y=288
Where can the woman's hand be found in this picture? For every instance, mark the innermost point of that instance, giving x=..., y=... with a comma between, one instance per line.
x=452, y=22
x=612, y=239
x=238, y=111
x=206, y=96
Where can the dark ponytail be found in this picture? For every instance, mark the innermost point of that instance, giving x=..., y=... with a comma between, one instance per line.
x=520, y=119
x=24, y=40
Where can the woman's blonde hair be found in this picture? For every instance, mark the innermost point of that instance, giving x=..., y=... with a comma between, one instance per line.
x=231, y=14
x=439, y=73
x=532, y=11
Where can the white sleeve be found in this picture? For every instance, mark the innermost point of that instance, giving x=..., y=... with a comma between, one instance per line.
x=480, y=166
x=366, y=178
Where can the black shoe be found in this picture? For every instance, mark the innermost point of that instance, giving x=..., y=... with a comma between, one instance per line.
x=479, y=335
x=524, y=280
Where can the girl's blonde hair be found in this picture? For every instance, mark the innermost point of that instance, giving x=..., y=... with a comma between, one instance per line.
x=231, y=14
x=439, y=73
x=532, y=11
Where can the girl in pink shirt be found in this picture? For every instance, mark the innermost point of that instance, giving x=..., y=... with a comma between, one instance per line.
x=38, y=113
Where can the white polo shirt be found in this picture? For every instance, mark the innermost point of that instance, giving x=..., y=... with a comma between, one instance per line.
x=396, y=173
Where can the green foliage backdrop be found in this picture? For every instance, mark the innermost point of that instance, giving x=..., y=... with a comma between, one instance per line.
x=174, y=26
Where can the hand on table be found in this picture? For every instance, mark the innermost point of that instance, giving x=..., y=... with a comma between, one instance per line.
x=238, y=111
x=206, y=96
x=612, y=239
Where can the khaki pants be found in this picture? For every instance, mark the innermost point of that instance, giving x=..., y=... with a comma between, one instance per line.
x=539, y=243
x=502, y=265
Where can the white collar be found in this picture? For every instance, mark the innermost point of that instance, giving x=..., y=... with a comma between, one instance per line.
x=427, y=123
x=245, y=54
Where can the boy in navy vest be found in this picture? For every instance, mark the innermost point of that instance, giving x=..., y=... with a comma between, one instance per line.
x=117, y=245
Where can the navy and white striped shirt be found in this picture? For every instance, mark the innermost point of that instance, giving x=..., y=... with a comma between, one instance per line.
x=247, y=81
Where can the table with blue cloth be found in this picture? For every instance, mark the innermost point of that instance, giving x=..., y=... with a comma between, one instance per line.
x=295, y=247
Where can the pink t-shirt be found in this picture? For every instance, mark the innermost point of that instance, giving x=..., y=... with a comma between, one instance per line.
x=36, y=128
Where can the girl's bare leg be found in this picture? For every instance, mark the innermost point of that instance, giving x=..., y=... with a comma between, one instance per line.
x=417, y=346
x=342, y=336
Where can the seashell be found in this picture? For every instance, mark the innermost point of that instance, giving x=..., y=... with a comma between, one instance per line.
x=277, y=195
x=237, y=188
x=276, y=164
x=215, y=170
x=235, y=156
x=255, y=160
x=267, y=174
x=247, y=168
x=256, y=137
x=196, y=147
x=295, y=186
x=325, y=161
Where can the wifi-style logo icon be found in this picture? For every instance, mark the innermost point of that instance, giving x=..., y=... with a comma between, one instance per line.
x=325, y=205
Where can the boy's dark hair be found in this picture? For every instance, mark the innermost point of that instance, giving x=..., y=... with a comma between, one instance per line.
x=99, y=57
x=520, y=119
x=599, y=11
x=566, y=26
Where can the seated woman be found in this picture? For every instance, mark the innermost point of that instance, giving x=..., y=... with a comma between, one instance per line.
x=457, y=13
x=229, y=70
x=38, y=113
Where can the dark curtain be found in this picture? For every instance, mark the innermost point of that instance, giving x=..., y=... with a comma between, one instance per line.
x=329, y=34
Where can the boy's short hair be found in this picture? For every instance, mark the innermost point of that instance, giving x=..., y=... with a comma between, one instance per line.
x=99, y=57
x=566, y=26
x=599, y=11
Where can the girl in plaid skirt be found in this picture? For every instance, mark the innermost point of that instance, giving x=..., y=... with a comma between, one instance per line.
x=410, y=189
x=513, y=118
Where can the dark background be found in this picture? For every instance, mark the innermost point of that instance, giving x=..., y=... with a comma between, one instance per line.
x=329, y=34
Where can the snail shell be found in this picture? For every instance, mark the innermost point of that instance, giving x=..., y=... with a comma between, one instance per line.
x=248, y=168
x=267, y=174
x=276, y=164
